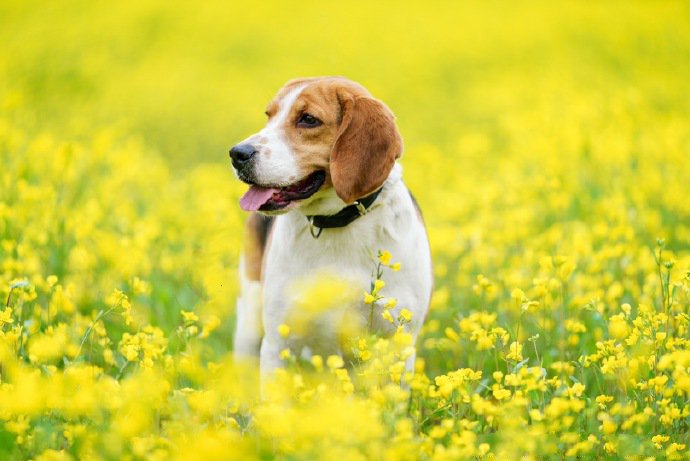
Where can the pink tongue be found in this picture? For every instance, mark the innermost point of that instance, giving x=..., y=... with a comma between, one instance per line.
x=255, y=197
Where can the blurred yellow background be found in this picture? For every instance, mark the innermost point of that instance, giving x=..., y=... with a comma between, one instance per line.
x=193, y=77
x=548, y=144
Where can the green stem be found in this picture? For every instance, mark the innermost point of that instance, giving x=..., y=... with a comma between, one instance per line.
x=87, y=333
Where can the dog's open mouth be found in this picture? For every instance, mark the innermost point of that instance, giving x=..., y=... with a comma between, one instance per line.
x=271, y=199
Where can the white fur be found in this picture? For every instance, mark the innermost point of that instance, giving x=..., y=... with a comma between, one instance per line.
x=275, y=164
x=391, y=224
x=248, y=329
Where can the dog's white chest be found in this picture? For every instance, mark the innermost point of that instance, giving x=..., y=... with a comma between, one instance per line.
x=295, y=259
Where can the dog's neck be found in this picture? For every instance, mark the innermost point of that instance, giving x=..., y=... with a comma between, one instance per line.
x=327, y=203
x=344, y=217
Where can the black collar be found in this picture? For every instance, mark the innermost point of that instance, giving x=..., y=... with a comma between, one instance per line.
x=344, y=217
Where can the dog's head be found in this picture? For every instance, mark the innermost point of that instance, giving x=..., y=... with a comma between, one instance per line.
x=323, y=134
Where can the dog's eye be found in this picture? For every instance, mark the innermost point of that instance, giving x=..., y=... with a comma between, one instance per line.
x=308, y=121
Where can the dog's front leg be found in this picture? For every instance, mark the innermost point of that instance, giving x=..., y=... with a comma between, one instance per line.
x=248, y=327
x=270, y=355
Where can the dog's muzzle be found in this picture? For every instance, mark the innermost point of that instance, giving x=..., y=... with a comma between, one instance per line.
x=242, y=155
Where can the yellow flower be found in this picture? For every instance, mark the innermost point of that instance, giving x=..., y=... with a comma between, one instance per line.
x=518, y=295
x=658, y=440
x=437, y=432
x=401, y=337
x=387, y=316
x=546, y=263
x=283, y=330
x=484, y=448
x=130, y=351
x=188, y=316
x=334, y=361
x=368, y=298
x=385, y=258
x=608, y=426
x=285, y=354
x=210, y=324
x=500, y=393
x=673, y=449
x=348, y=387
x=602, y=400
x=618, y=327
x=515, y=352
x=610, y=448
x=451, y=334
x=405, y=315
x=378, y=284
x=566, y=270
x=6, y=316
x=317, y=362
x=391, y=303
x=576, y=390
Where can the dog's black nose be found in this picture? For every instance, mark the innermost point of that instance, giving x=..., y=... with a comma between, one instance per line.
x=241, y=154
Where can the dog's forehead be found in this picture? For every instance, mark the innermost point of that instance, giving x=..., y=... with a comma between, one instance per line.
x=287, y=95
x=284, y=100
x=314, y=89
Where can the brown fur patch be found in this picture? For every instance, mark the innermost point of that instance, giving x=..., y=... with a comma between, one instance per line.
x=257, y=230
x=367, y=146
x=312, y=146
x=357, y=142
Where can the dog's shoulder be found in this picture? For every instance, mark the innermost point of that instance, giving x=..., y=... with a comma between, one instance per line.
x=257, y=232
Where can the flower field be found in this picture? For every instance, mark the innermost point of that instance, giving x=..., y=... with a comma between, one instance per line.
x=547, y=144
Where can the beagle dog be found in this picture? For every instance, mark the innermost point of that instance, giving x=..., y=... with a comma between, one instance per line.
x=325, y=195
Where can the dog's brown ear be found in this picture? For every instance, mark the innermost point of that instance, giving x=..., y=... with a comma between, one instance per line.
x=366, y=147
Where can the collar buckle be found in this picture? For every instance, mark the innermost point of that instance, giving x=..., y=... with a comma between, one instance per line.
x=360, y=208
x=314, y=230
